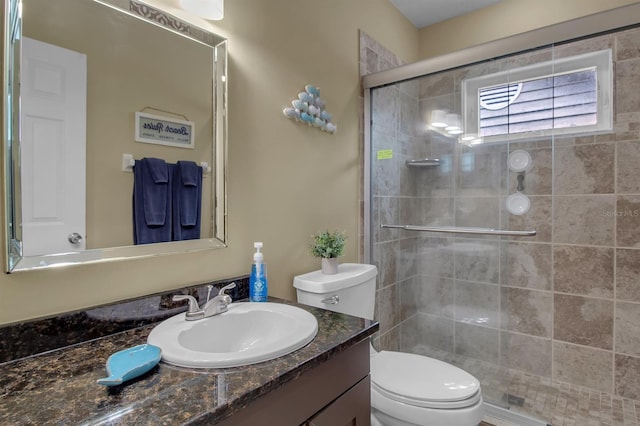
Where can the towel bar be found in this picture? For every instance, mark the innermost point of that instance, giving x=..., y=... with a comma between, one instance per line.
x=128, y=162
x=463, y=230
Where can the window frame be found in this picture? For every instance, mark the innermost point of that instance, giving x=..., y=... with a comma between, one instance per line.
x=600, y=60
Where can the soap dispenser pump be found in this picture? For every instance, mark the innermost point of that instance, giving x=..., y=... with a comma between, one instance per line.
x=258, y=287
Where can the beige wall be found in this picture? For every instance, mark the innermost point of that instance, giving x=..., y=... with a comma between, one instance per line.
x=504, y=19
x=286, y=180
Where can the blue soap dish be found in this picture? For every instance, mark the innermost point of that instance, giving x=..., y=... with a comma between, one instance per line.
x=130, y=363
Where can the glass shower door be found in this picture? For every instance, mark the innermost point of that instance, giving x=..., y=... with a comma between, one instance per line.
x=438, y=204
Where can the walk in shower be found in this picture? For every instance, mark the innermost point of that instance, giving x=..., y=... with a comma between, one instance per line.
x=500, y=214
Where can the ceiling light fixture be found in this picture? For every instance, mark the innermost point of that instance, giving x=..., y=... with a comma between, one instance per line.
x=208, y=9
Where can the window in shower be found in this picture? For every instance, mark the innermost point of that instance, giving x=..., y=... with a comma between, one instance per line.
x=565, y=96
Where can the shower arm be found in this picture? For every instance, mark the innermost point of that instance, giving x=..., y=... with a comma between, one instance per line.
x=463, y=230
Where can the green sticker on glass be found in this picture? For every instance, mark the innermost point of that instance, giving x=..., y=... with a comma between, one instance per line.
x=385, y=154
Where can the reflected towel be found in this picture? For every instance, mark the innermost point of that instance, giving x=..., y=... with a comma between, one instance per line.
x=151, y=201
x=187, y=200
x=155, y=179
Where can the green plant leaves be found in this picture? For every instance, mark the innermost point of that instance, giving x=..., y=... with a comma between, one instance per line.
x=328, y=244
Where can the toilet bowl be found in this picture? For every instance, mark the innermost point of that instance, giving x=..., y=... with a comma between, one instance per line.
x=409, y=389
x=406, y=389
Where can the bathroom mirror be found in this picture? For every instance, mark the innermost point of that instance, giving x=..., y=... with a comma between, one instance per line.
x=114, y=62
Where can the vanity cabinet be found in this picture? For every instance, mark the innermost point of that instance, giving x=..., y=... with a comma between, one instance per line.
x=334, y=393
x=353, y=408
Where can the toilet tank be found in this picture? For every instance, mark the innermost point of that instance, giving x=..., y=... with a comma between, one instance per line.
x=351, y=291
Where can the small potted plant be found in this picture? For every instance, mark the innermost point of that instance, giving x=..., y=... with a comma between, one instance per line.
x=328, y=246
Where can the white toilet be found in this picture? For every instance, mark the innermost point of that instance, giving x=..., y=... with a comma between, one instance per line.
x=406, y=389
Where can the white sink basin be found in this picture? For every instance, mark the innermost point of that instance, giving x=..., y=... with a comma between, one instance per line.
x=246, y=334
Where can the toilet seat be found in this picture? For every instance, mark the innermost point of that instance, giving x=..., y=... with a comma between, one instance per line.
x=421, y=381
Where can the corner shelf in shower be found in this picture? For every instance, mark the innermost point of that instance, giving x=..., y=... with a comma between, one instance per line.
x=424, y=162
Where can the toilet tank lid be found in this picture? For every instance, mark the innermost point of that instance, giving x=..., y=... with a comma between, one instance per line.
x=349, y=275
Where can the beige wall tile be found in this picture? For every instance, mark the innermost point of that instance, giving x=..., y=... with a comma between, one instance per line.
x=409, y=123
x=477, y=342
x=435, y=332
x=409, y=334
x=435, y=211
x=479, y=173
x=527, y=311
x=482, y=212
x=410, y=87
x=583, y=220
x=406, y=259
x=436, y=297
x=388, y=307
x=584, y=321
x=526, y=353
x=385, y=109
x=628, y=178
x=477, y=303
x=410, y=210
x=628, y=220
x=584, y=169
x=628, y=275
x=436, y=181
x=409, y=297
x=435, y=256
x=384, y=257
x=627, y=376
x=627, y=76
x=627, y=328
x=628, y=44
x=583, y=366
x=527, y=265
x=437, y=84
x=584, y=46
x=583, y=270
x=385, y=210
x=413, y=146
x=477, y=260
x=385, y=173
x=389, y=341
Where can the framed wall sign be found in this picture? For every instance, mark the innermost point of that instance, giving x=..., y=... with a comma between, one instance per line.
x=164, y=131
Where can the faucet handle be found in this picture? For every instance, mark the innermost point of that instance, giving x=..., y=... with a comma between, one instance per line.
x=193, y=303
x=226, y=299
x=225, y=288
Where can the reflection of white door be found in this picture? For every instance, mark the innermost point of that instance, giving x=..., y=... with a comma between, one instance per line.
x=53, y=90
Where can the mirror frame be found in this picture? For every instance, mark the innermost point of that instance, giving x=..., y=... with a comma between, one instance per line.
x=14, y=261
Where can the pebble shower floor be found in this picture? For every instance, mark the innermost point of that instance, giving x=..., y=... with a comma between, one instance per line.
x=558, y=404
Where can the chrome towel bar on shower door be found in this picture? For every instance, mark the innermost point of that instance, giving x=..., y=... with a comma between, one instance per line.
x=463, y=230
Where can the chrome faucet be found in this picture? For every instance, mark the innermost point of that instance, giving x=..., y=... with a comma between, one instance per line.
x=215, y=306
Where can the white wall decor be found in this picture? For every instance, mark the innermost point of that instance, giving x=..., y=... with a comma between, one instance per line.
x=309, y=108
x=164, y=131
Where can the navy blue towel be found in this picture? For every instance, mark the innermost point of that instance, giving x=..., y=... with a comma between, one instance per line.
x=151, y=201
x=187, y=200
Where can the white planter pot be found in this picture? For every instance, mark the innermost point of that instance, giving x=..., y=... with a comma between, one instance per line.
x=329, y=265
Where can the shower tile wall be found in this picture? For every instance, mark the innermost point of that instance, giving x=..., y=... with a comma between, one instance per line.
x=564, y=305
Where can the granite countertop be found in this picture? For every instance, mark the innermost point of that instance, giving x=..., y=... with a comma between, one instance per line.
x=59, y=386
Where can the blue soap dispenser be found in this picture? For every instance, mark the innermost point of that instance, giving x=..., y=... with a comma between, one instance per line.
x=258, y=280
